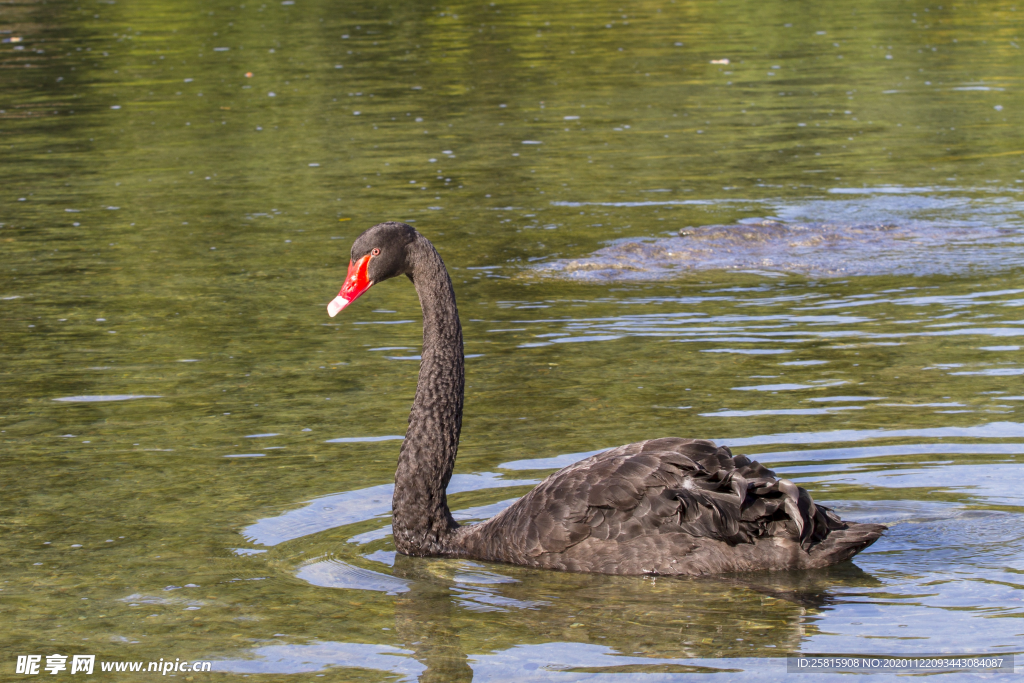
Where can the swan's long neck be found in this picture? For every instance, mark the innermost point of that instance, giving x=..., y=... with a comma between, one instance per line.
x=421, y=521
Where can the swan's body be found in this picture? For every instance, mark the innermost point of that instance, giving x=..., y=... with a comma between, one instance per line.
x=664, y=506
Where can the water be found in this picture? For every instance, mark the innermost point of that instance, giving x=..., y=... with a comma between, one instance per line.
x=196, y=461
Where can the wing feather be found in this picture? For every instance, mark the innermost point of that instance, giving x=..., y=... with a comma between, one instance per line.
x=675, y=486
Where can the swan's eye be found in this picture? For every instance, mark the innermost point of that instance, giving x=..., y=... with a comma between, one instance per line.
x=374, y=252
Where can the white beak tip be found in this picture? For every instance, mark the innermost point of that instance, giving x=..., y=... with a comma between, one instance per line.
x=336, y=305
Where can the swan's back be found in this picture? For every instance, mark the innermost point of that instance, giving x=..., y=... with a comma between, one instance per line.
x=667, y=506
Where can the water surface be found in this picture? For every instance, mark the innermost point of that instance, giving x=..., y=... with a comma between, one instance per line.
x=197, y=462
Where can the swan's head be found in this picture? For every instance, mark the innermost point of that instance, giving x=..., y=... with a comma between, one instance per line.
x=378, y=254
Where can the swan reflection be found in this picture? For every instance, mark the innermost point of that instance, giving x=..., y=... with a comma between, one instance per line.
x=458, y=621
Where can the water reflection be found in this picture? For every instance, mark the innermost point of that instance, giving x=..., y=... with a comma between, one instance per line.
x=320, y=656
x=99, y=399
x=994, y=430
x=334, y=573
x=352, y=507
x=585, y=624
x=424, y=623
x=545, y=624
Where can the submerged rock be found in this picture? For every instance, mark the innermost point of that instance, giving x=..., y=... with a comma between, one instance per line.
x=814, y=249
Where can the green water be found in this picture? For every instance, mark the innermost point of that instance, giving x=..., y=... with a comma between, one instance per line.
x=172, y=228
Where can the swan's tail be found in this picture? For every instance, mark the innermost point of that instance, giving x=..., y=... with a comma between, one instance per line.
x=842, y=544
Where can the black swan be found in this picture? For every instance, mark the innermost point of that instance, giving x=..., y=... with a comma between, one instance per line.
x=660, y=507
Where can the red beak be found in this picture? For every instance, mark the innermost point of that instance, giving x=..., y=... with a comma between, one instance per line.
x=356, y=282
